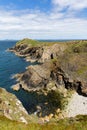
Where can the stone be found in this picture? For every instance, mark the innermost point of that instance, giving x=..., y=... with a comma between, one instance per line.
x=16, y=87
x=22, y=119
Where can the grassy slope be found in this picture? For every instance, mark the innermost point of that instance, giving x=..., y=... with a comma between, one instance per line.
x=79, y=123
x=34, y=43
x=28, y=42
x=75, y=59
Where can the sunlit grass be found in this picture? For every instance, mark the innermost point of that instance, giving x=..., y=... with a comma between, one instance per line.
x=78, y=123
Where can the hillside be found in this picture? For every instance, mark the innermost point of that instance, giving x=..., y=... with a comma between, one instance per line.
x=78, y=123
x=58, y=71
x=12, y=108
x=70, y=57
x=11, y=111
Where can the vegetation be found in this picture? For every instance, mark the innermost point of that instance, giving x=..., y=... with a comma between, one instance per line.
x=78, y=123
x=73, y=46
x=75, y=59
x=59, y=98
x=73, y=62
x=35, y=43
x=77, y=47
x=82, y=70
x=28, y=42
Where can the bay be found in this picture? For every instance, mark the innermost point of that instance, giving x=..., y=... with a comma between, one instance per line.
x=11, y=64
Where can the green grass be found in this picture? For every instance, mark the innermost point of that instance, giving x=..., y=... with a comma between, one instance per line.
x=72, y=46
x=77, y=47
x=74, y=59
x=28, y=42
x=35, y=43
x=82, y=70
x=78, y=123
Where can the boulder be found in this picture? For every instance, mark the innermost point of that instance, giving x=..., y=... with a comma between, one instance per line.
x=16, y=87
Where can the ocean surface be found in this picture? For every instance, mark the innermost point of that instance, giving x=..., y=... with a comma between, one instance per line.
x=11, y=64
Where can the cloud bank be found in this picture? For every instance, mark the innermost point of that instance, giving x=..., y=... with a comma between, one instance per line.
x=62, y=22
x=71, y=4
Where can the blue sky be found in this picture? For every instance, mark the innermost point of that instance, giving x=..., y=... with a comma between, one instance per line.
x=43, y=5
x=43, y=19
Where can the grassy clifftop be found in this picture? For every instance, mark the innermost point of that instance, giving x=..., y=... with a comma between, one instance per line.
x=78, y=44
x=77, y=47
x=78, y=123
x=28, y=42
x=35, y=43
x=74, y=59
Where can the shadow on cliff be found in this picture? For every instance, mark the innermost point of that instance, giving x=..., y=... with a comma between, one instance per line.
x=40, y=103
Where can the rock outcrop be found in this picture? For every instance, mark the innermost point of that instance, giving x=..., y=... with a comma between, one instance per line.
x=65, y=63
x=12, y=108
x=60, y=67
x=38, y=52
x=38, y=77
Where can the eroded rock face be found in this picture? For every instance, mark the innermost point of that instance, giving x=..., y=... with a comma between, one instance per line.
x=12, y=108
x=84, y=87
x=63, y=68
x=38, y=53
x=36, y=77
x=39, y=77
x=51, y=52
x=71, y=70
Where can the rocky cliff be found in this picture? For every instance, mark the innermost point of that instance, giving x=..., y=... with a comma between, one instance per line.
x=38, y=51
x=12, y=108
x=65, y=63
x=60, y=68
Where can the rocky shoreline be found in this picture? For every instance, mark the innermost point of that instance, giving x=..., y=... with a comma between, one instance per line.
x=62, y=66
x=51, y=67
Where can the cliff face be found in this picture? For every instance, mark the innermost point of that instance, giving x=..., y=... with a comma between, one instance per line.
x=62, y=62
x=60, y=67
x=74, y=63
x=38, y=51
x=12, y=108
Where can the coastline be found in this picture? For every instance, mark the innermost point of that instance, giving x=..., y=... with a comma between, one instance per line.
x=50, y=75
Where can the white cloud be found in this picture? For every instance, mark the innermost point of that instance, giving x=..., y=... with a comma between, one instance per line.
x=38, y=25
x=71, y=4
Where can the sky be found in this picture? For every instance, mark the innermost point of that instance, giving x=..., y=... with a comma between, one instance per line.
x=43, y=19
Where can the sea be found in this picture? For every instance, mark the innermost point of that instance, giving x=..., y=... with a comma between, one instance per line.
x=10, y=64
